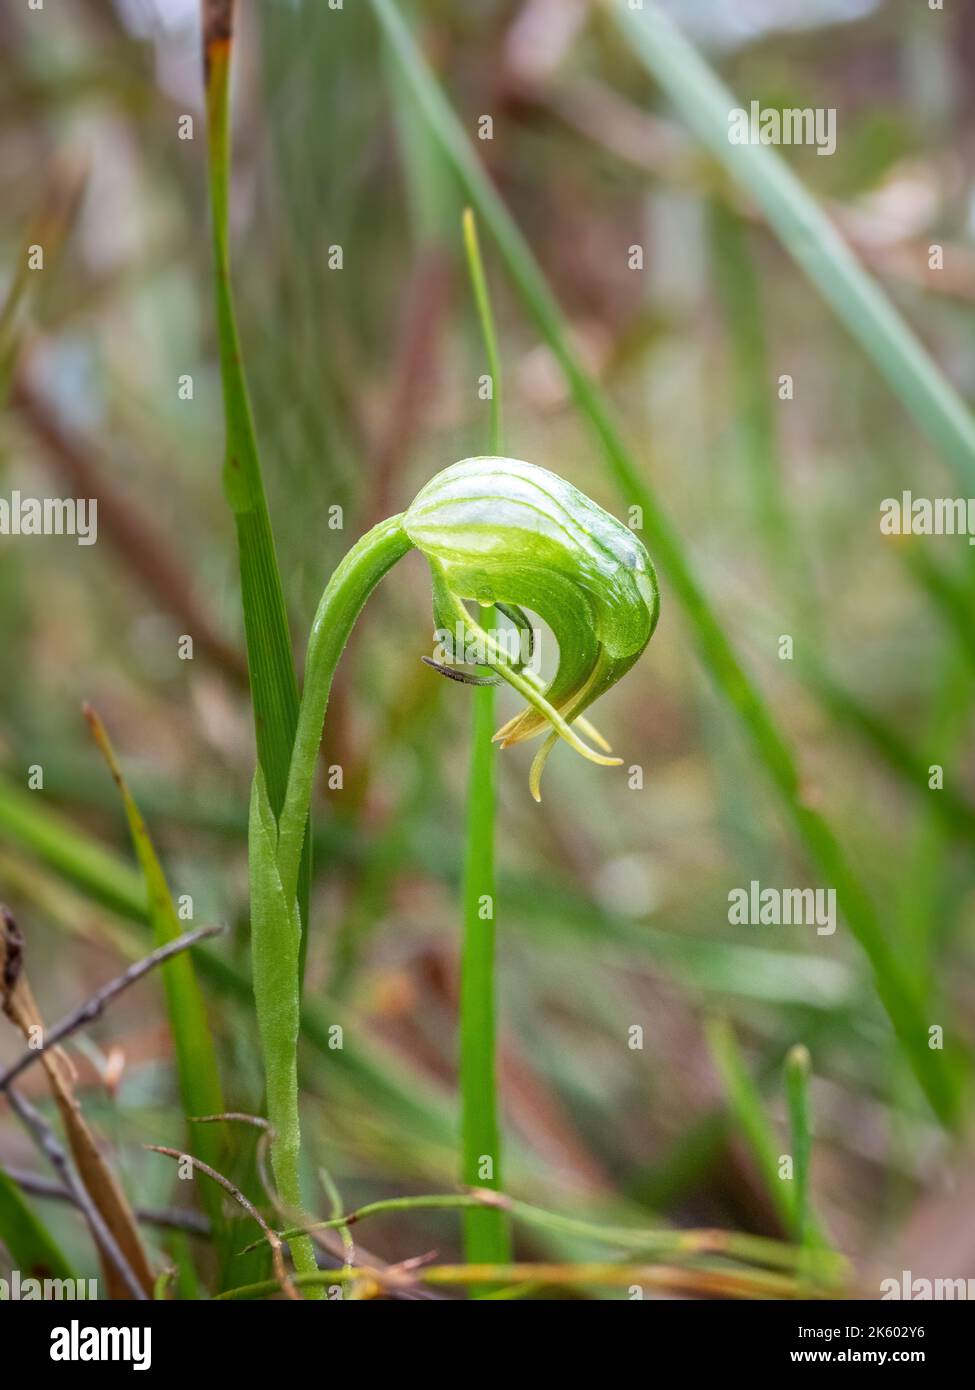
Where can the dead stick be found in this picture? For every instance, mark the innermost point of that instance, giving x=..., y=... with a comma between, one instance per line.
x=95, y=1006
x=283, y=1277
x=46, y=1141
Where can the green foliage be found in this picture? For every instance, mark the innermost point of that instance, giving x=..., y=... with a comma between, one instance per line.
x=32, y=1248
x=196, y=1059
x=276, y=951
x=274, y=686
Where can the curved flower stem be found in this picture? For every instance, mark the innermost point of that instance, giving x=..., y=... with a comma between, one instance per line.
x=276, y=856
x=341, y=603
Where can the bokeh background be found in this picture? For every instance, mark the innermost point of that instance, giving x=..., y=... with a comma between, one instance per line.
x=613, y=902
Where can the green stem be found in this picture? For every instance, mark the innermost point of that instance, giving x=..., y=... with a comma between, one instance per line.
x=745, y=1104
x=277, y=852
x=797, y=1098
x=275, y=967
x=486, y=1235
x=341, y=603
x=718, y=1281
x=662, y=1241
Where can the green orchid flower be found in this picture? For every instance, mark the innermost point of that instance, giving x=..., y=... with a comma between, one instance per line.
x=497, y=531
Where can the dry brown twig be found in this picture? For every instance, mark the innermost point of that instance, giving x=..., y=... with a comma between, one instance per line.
x=94, y=1007
x=382, y=1276
x=119, y=1272
x=101, y=1187
x=273, y=1239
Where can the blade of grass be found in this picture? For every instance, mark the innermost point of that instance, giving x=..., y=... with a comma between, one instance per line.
x=32, y=1248
x=790, y=1199
x=805, y=231
x=486, y=1236
x=797, y=1065
x=746, y=1107
x=102, y=874
x=951, y=595
x=270, y=656
x=196, y=1059
x=898, y=993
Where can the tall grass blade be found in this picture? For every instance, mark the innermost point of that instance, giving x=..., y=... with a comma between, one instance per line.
x=797, y=1065
x=745, y=1103
x=196, y=1059
x=270, y=656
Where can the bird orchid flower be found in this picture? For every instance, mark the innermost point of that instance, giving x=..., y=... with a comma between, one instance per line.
x=497, y=531
x=503, y=533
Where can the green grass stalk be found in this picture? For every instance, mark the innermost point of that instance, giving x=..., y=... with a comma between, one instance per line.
x=797, y=1065
x=745, y=1104
x=196, y=1058
x=486, y=1236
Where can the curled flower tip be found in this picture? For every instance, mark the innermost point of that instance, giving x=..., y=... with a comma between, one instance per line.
x=501, y=533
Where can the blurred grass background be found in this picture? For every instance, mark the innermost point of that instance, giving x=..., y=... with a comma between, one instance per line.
x=613, y=902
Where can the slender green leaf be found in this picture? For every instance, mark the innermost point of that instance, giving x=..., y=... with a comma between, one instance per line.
x=270, y=657
x=746, y=1106
x=196, y=1060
